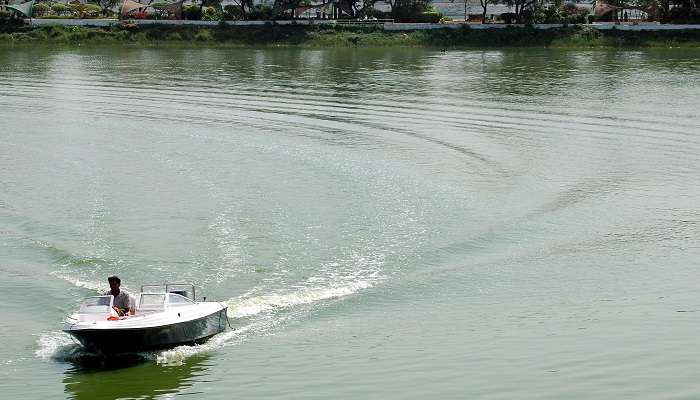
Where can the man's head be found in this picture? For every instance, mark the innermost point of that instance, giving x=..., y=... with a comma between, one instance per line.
x=114, y=283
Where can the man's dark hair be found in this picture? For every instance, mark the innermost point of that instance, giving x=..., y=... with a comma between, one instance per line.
x=114, y=279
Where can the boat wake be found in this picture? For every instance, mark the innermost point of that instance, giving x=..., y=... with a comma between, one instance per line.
x=58, y=346
x=178, y=355
x=262, y=314
x=245, y=306
x=81, y=283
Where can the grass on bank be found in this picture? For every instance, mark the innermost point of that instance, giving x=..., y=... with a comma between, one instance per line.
x=342, y=36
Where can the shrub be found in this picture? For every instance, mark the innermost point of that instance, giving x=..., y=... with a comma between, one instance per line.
x=212, y=14
x=509, y=17
x=41, y=9
x=203, y=35
x=85, y=10
x=139, y=15
x=92, y=10
x=432, y=17
x=684, y=15
x=571, y=14
x=563, y=14
x=59, y=8
x=415, y=11
x=192, y=12
x=260, y=13
x=528, y=16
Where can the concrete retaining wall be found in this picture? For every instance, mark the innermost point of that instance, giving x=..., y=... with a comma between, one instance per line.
x=110, y=22
x=601, y=26
x=645, y=27
x=72, y=22
x=388, y=26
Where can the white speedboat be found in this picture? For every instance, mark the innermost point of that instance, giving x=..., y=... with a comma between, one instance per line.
x=166, y=316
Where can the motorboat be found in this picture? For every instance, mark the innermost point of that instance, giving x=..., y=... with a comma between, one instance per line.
x=166, y=316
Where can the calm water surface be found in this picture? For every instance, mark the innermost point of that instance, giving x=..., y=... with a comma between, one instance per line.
x=400, y=223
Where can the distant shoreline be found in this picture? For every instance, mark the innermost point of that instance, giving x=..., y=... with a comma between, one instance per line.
x=349, y=36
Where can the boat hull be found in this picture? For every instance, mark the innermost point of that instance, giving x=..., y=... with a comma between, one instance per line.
x=129, y=340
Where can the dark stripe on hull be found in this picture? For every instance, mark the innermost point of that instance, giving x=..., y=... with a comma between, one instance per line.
x=144, y=339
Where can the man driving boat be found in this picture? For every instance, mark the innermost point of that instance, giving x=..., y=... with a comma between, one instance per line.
x=124, y=303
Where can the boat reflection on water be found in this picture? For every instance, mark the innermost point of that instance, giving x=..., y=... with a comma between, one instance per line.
x=128, y=376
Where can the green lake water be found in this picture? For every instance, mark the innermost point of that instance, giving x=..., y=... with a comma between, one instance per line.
x=383, y=223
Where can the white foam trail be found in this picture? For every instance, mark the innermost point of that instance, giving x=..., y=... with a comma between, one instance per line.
x=246, y=307
x=60, y=346
x=178, y=355
x=250, y=306
x=56, y=345
x=98, y=287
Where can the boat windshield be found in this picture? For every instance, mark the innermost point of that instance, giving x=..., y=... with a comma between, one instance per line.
x=152, y=301
x=185, y=290
x=176, y=299
x=96, y=304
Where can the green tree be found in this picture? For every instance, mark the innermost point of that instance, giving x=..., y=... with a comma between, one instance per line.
x=362, y=7
x=41, y=9
x=484, y=5
x=523, y=8
x=107, y=5
x=409, y=10
x=208, y=3
x=347, y=6
x=243, y=4
x=679, y=11
x=59, y=8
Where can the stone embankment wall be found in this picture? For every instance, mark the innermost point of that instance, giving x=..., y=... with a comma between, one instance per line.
x=388, y=26
x=601, y=26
